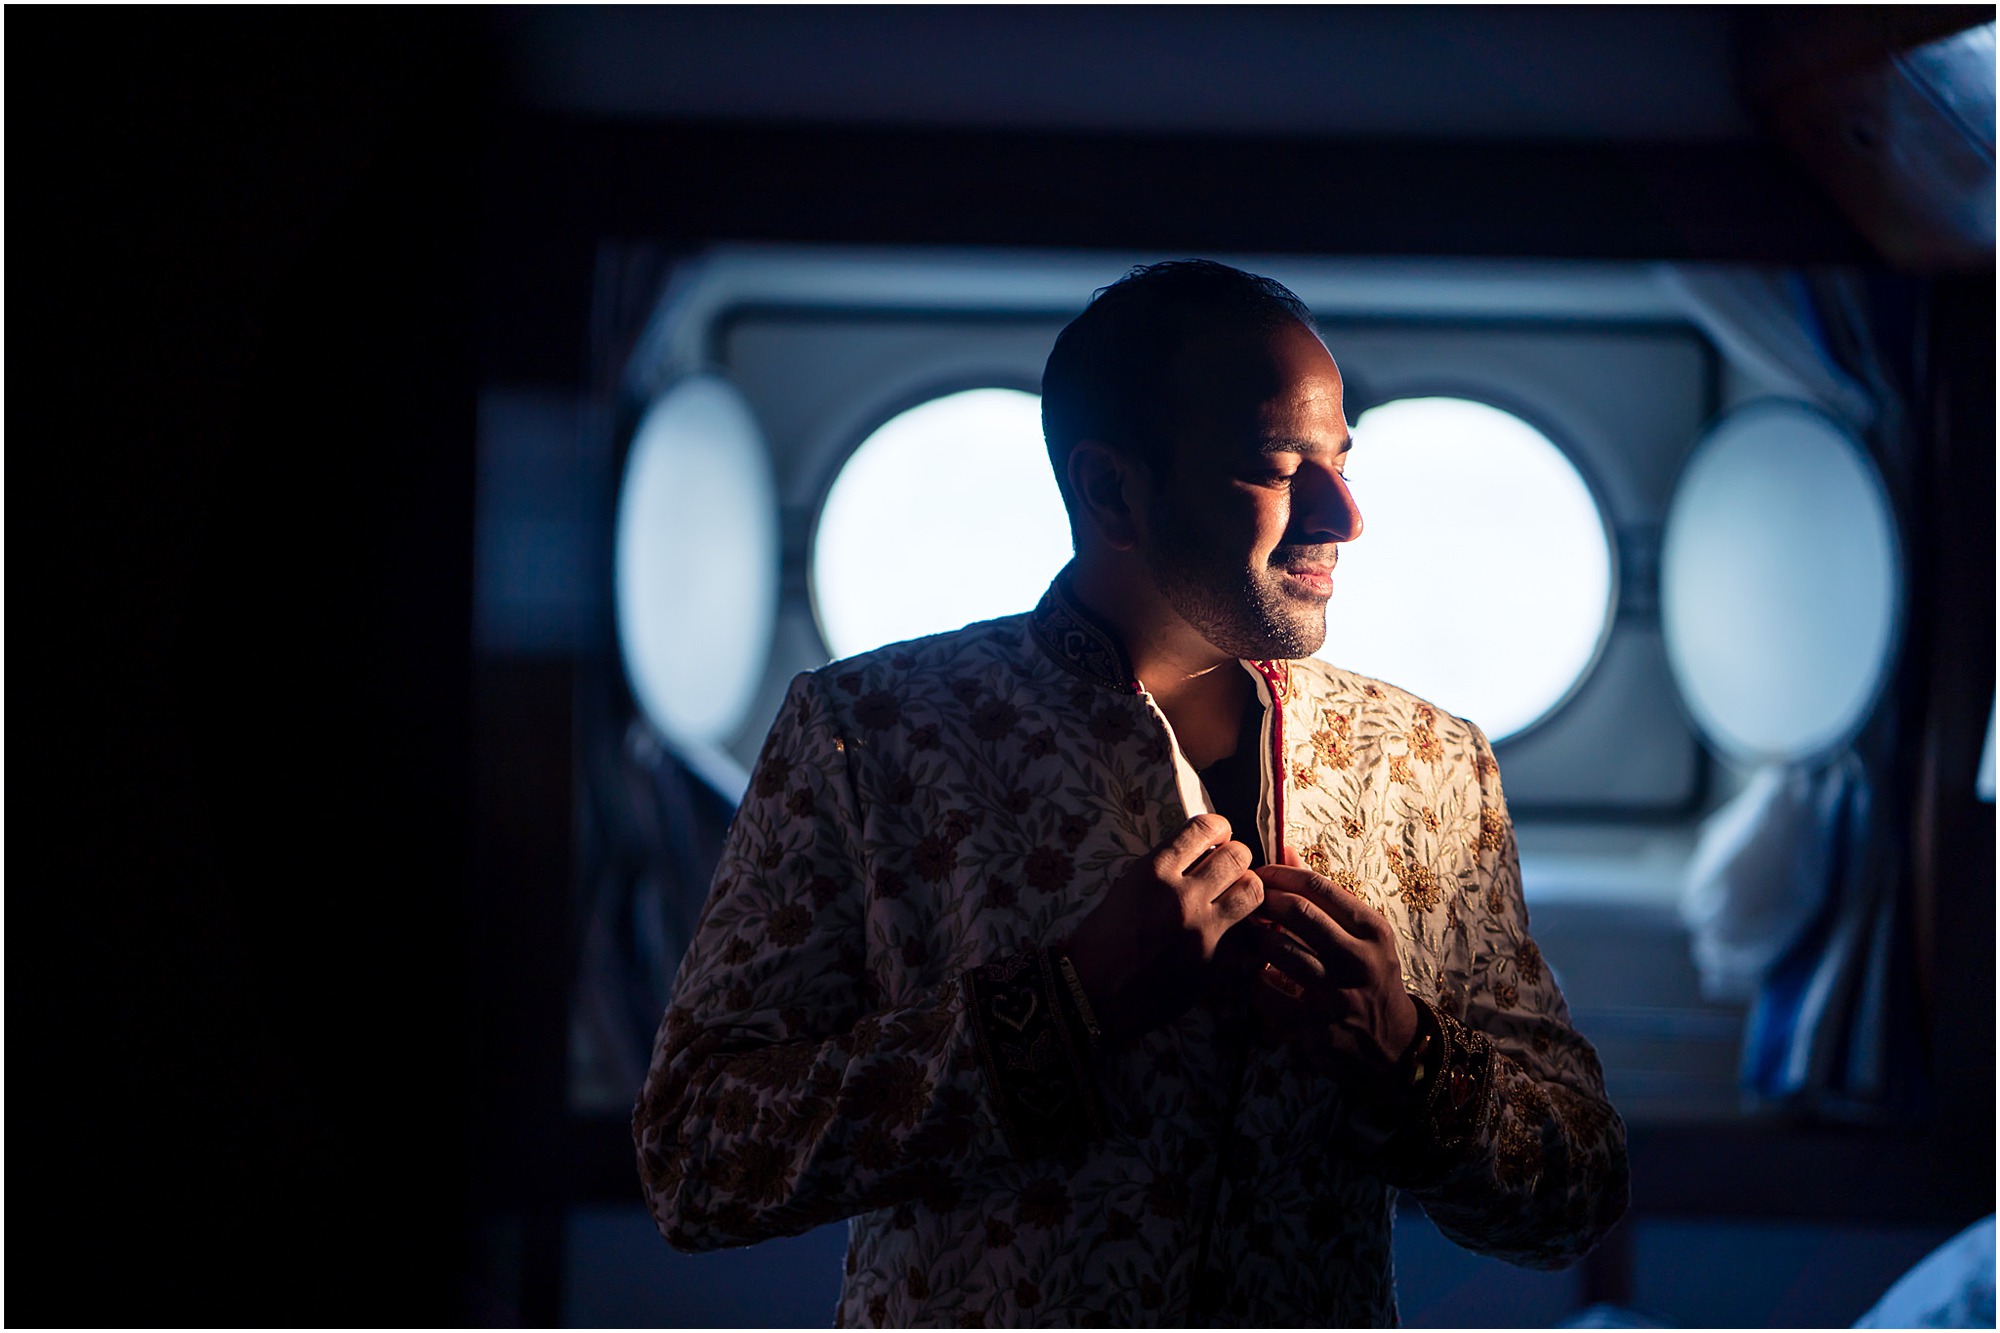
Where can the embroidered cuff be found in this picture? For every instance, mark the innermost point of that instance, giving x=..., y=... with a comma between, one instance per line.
x=1453, y=1109
x=1036, y=1053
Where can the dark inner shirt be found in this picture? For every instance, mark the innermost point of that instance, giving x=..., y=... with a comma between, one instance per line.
x=1235, y=781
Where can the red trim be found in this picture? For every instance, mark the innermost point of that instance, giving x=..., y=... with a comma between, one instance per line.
x=1278, y=677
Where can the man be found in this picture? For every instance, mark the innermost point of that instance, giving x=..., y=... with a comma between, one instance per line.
x=1113, y=963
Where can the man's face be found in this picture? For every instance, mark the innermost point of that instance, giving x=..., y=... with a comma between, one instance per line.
x=1240, y=535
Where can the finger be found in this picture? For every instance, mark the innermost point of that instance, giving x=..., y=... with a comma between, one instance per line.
x=1266, y=944
x=1317, y=929
x=1220, y=866
x=1196, y=838
x=1290, y=856
x=1346, y=907
x=1244, y=896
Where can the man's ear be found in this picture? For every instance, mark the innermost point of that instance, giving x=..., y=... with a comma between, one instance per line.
x=1104, y=482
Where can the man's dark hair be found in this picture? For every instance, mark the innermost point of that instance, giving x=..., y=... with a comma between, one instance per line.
x=1108, y=376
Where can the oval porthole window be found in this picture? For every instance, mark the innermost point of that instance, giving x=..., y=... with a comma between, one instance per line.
x=1483, y=577
x=696, y=561
x=946, y=514
x=1780, y=584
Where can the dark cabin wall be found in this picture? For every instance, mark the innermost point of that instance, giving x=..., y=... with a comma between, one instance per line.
x=284, y=1006
x=242, y=431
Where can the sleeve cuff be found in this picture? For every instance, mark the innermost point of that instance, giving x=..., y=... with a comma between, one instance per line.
x=1036, y=1051
x=1454, y=1101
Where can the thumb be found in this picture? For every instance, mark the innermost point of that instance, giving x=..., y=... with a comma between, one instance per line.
x=1290, y=856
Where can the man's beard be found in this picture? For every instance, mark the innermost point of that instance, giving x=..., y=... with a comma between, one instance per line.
x=1245, y=613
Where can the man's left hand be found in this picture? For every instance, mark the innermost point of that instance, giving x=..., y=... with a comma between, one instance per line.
x=1326, y=974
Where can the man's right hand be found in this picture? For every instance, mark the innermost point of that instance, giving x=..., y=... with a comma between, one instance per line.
x=1144, y=954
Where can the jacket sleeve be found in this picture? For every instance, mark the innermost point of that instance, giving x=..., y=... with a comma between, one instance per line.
x=782, y=1093
x=1514, y=1150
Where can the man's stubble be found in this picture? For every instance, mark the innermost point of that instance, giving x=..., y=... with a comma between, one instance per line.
x=1245, y=612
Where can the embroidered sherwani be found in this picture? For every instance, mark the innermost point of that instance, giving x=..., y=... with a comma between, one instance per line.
x=868, y=1024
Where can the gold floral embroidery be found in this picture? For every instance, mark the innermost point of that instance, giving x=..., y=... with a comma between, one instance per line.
x=1529, y=959
x=1485, y=765
x=1424, y=743
x=1419, y=887
x=1333, y=740
x=887, y=1069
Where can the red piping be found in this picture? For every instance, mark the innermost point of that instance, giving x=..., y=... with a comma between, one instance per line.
x=1279, y=679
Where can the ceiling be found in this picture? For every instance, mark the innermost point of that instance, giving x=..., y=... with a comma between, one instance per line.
x=1454, y=72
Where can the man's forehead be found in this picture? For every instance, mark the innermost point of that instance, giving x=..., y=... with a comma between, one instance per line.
x=1252, y=365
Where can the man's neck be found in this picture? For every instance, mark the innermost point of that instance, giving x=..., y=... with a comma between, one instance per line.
x=1199, y=687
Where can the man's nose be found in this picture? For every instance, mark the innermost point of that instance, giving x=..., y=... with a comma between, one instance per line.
x=1324, y=509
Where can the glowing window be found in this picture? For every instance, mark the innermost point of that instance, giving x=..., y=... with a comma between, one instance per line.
x=1483, y=578
x=697, y=561
x=1780, y=584
x=947, y=514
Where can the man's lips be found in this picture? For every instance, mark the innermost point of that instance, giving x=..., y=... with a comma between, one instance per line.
x=1314, y=578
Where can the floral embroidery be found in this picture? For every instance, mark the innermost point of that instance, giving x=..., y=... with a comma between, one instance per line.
x=1528, y=957
x=841, y=1044
x=1423, y=741
x=789, y=924
x=1048, y=869
x=772, y=773
x=992, y=722
x=1418, y=886
x=877, y=709
x=935, y=858
x=1332, y=740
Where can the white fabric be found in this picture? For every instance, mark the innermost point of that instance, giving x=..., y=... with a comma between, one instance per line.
x=1747, y=894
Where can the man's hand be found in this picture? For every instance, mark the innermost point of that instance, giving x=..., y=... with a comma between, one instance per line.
x=1326, y=974
x=1145, y=953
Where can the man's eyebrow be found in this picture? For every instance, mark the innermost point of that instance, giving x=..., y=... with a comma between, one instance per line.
x=1288, y=444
